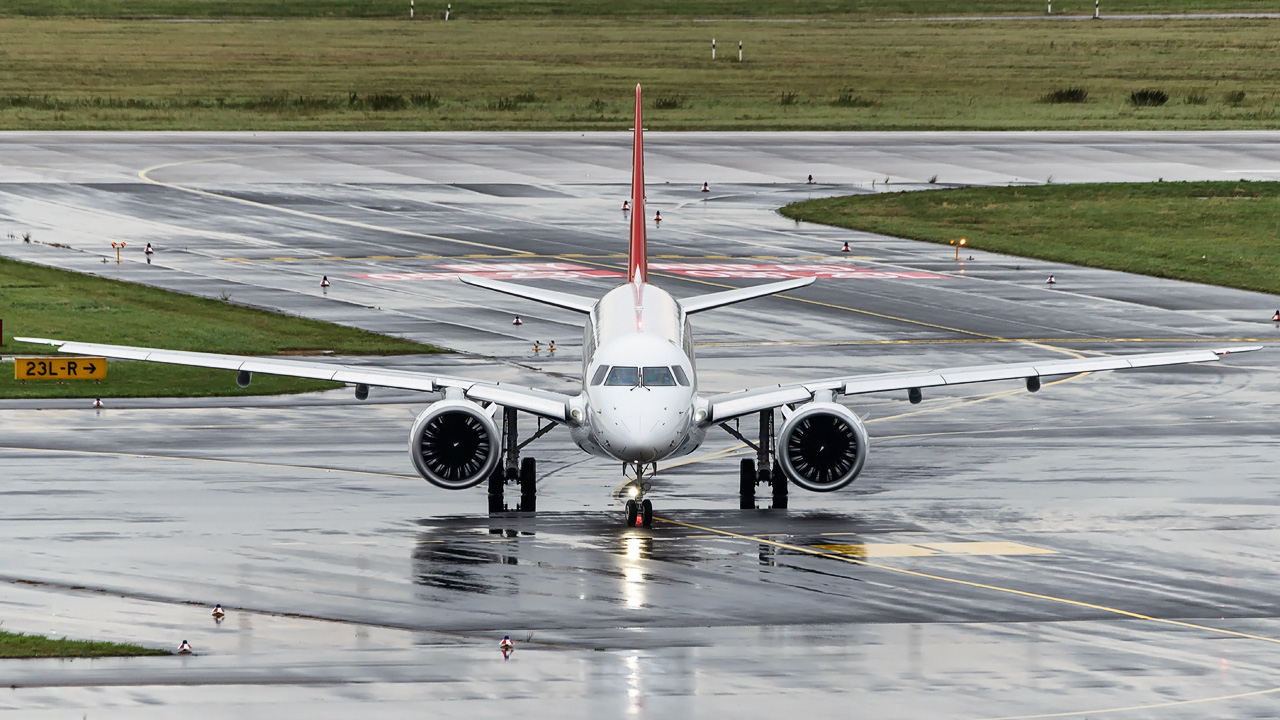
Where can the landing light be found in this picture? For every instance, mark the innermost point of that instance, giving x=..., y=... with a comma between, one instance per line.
x=633, y=491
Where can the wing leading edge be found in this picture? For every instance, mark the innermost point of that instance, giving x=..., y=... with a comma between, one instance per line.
x=727, y=406
x=547, y=404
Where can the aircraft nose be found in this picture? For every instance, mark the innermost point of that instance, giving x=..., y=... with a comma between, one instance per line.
x=642, y=439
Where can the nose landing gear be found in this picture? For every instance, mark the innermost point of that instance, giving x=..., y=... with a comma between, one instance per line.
x=639, y=513
x=638, y=508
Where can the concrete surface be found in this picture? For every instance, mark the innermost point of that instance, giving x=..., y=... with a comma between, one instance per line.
x=1104, y=547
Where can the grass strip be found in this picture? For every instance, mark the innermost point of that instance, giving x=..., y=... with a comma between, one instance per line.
x=19, y=645
x=576, y=73
x=40, y=301
x=434, y=10
x=1218, y=233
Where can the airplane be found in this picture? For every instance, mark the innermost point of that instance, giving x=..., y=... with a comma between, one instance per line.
x=639, y=403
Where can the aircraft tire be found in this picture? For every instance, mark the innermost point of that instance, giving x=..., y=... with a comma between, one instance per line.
x=529, y=485
x=778, y=481
x=747, y=485
x=633, y=510
x=646, y=513
x=497, y=479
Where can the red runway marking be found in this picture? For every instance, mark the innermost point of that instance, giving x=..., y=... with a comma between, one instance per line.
x=784, y=271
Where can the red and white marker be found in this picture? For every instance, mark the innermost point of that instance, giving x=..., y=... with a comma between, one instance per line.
x=706, y=188
x=184, y=648
x=517, y=321
x=846, y=247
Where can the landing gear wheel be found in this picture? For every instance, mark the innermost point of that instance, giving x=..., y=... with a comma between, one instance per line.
x=747, y=486
x=646, y=513
x=529, y=485
x=497, y=479
x=633, y=511
x=779, y=482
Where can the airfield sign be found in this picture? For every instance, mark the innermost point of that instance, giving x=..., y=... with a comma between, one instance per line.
x=78, y=368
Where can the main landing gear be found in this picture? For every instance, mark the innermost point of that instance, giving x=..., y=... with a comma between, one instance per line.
x=513, y=470
x=763, y=470
x=638, y=508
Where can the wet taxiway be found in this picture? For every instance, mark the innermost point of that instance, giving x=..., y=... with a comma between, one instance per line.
x=1105, y=546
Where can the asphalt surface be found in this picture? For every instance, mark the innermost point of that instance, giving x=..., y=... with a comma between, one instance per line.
x=1103, y=547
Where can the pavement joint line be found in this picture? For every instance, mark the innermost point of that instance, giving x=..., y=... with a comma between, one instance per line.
x=151, y=456
x=144, y=175
x=969, y=583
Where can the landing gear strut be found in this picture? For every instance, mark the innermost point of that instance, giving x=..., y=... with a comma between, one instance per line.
x=513, y=469
x=638, y=508
x=763, y=470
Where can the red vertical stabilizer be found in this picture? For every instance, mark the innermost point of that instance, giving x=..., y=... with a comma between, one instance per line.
x=638, y=261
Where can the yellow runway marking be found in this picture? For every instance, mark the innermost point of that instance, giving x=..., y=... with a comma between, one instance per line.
x=882, y=550
x=816, y=302
x=969, y=583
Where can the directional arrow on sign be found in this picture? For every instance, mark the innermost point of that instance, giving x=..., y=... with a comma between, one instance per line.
x=92, y=367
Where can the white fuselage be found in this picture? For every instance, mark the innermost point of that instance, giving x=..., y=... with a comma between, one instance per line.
x=639, y=400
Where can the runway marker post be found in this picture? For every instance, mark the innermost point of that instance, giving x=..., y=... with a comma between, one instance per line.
x=713, y=48
x=1050, y=10
x=740, y=50
x=447, y=9
x=410, y=9
x=958, y=246
x=1095, y=9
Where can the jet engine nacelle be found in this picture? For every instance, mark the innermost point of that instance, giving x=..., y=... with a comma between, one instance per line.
x=455, y=444
x=822, y=446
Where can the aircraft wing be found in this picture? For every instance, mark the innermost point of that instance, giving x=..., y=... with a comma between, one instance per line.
x=730, y=405
x=550, y=405
x=576, y=303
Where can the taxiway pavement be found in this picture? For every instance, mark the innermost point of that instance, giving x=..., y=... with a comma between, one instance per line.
x=1106, y=543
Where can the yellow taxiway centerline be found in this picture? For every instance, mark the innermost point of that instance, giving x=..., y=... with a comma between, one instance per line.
x=969, y=583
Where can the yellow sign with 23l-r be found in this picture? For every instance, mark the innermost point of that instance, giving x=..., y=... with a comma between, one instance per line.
x=75, y=368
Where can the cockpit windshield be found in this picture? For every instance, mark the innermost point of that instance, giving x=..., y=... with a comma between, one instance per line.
x=630, y=376
x=657, y=376
x=623, y=376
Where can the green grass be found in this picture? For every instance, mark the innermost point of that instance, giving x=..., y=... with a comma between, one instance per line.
x=18, y=645
x=38, y=301
x=434, y=9
x=1219, y=233
x=576, y=73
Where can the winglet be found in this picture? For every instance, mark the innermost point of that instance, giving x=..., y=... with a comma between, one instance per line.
x=638, y=262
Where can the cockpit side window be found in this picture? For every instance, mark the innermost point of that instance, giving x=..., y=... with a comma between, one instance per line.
x=680, y=376
x=657, y=376
x=623, y=376
x=598, y=378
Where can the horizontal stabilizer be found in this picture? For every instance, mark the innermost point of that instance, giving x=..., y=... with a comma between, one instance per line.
x=729, y=297
x=577, y=303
